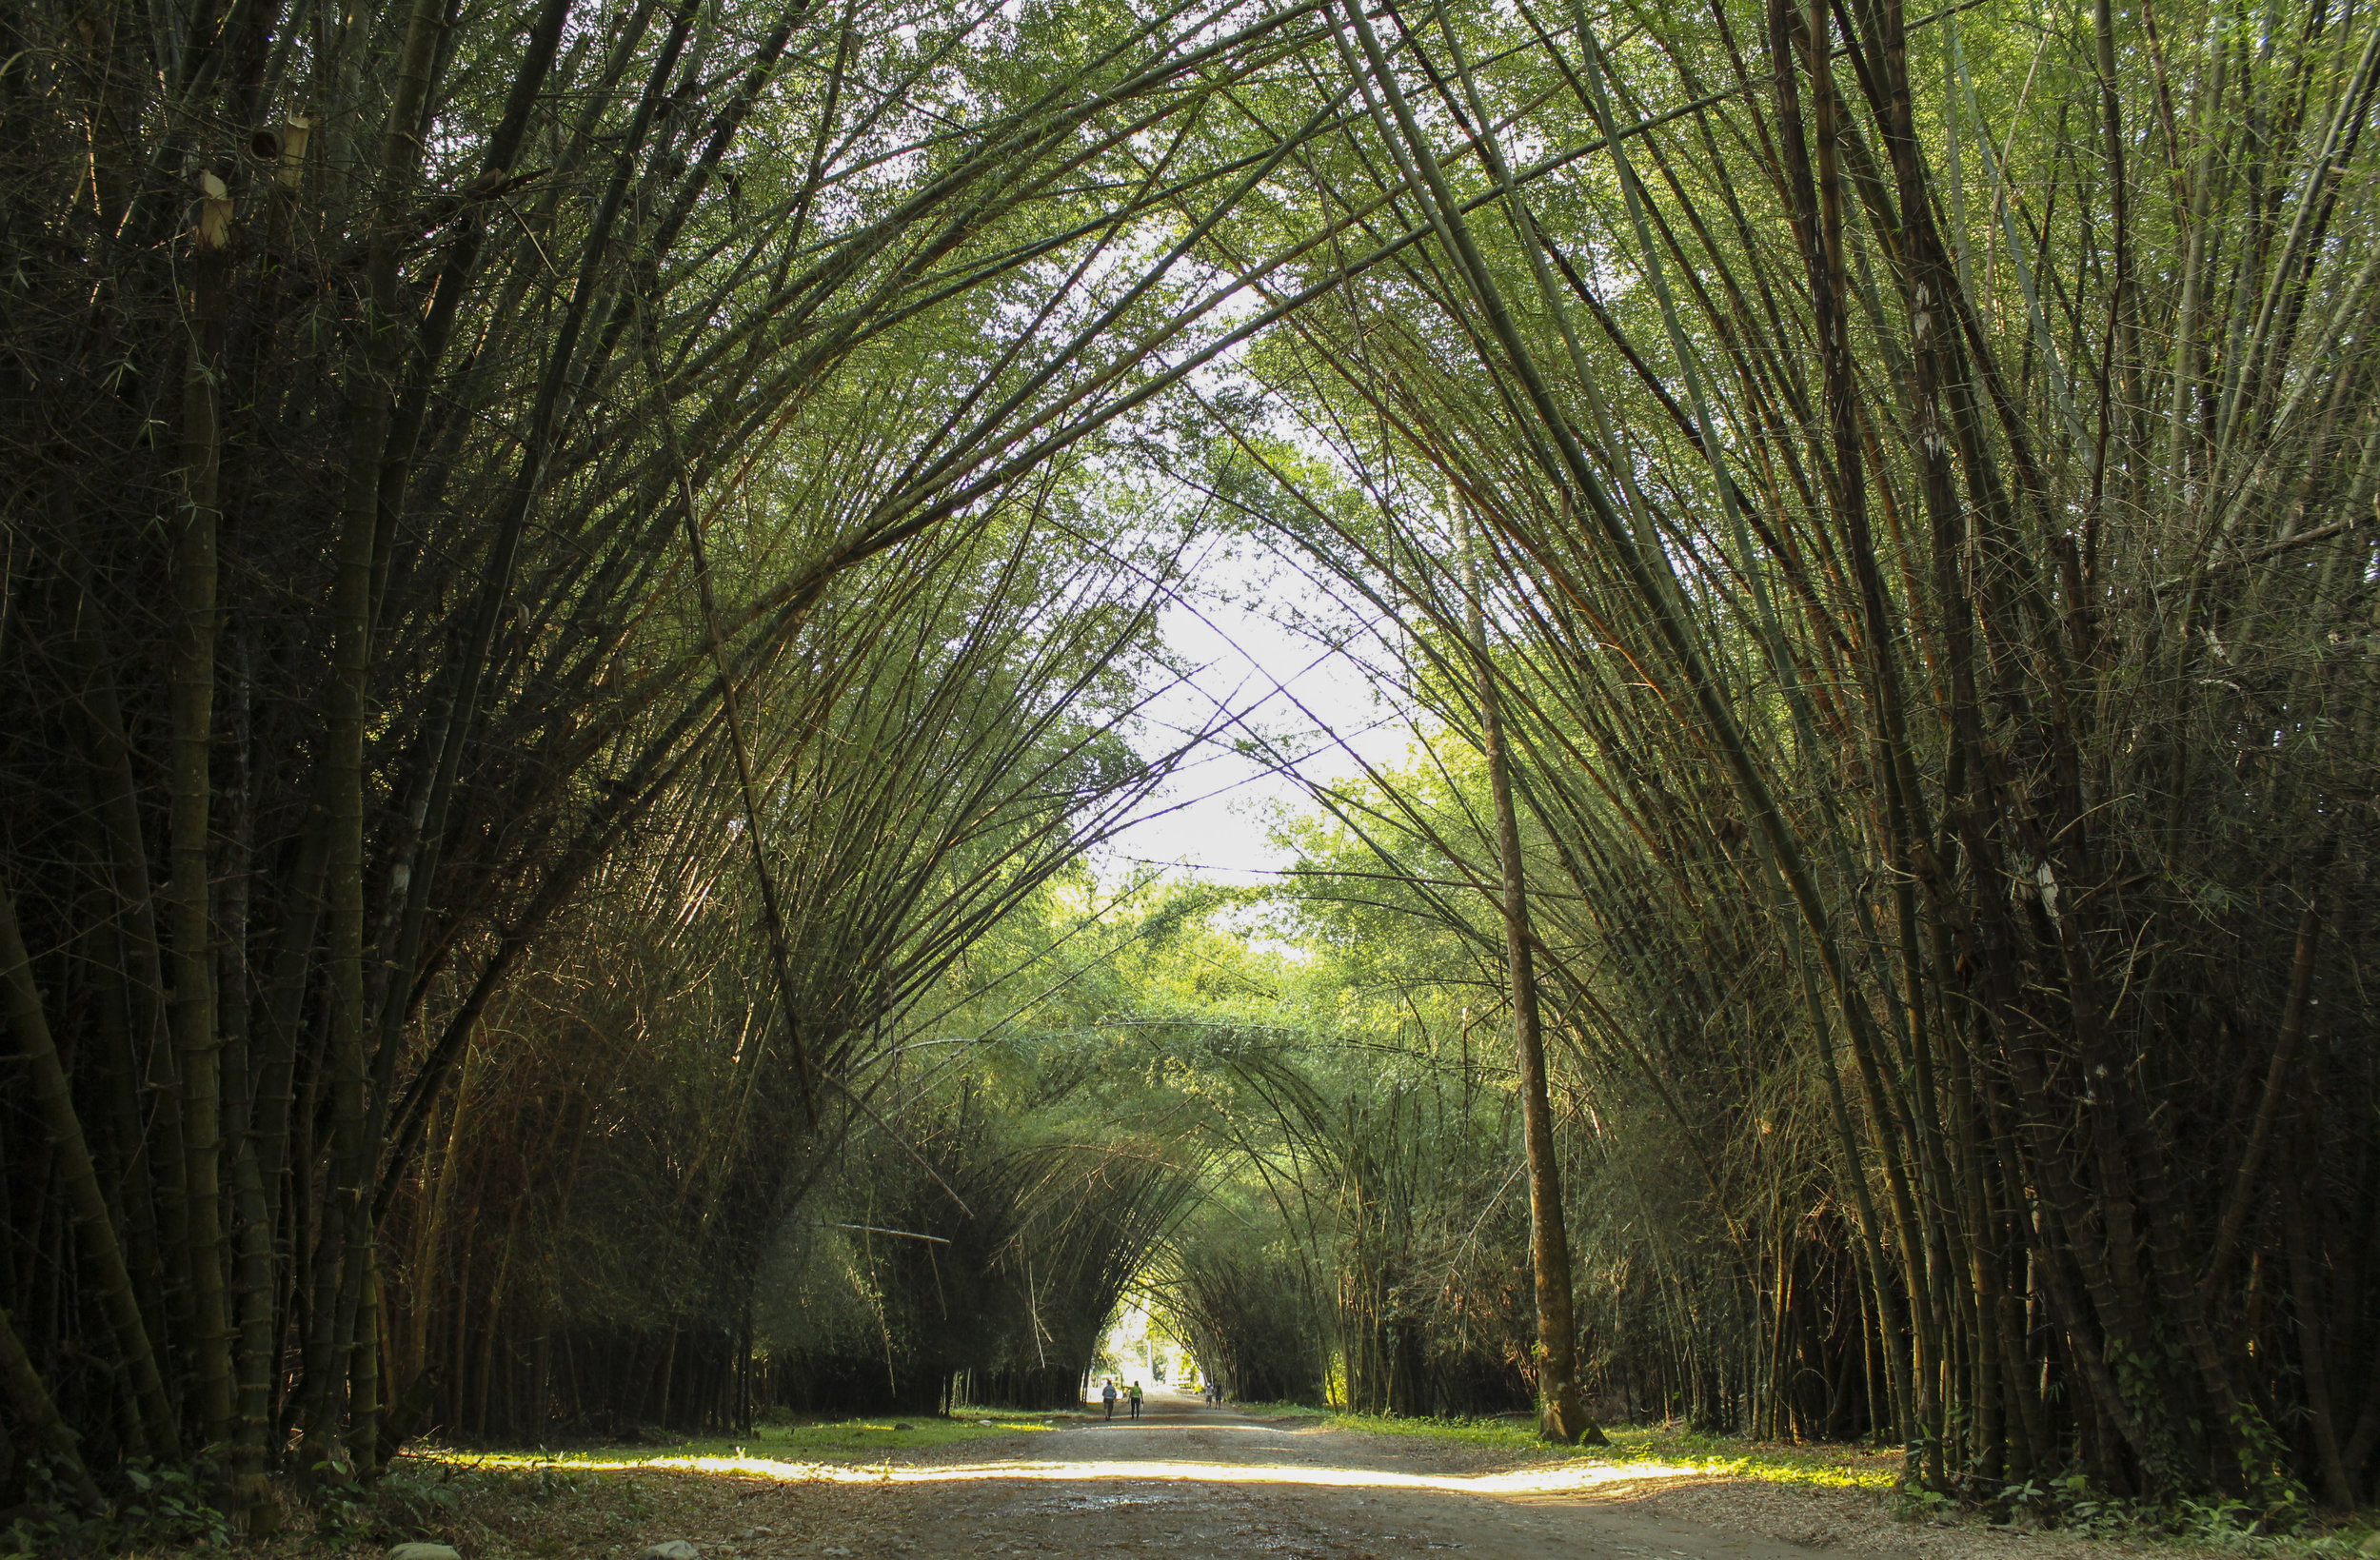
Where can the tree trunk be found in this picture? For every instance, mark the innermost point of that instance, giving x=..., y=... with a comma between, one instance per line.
x=1561, y=1419
x=54, y=1099
x=30, y=1403
x=195, y=1035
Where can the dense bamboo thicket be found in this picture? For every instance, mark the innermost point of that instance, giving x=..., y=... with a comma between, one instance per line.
x=1005, y=1308
x=1246, y=1314
x=1364, y=1240
x=632, y=1113
x=1406, y=1230
x=1904, y=494
x=481, y=476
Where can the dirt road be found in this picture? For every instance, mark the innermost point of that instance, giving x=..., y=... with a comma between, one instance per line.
x=1193, y=1481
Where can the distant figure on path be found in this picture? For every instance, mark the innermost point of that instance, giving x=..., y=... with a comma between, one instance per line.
x=1107, y=1392
x=1135, y=1400
x=1214, y=1390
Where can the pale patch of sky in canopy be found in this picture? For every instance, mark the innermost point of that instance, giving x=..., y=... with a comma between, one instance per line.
x=1275, y=669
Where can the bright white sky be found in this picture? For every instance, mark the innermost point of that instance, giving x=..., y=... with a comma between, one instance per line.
x=1257, y=634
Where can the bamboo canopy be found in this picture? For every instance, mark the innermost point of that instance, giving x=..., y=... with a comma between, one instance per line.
x=581, y=576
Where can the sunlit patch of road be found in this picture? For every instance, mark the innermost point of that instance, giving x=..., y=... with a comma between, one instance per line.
x=1564, y=1479
x=1191, y=1479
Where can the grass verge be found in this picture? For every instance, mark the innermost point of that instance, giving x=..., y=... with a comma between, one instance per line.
x=1830, y=1466
x=806, y=1441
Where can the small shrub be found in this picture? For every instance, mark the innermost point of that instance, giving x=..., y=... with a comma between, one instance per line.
x=165, y=1509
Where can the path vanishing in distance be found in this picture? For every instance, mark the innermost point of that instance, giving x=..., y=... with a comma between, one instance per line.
x=1195, y=1481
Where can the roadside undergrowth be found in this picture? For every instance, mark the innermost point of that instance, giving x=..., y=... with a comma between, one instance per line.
x=540, y=1503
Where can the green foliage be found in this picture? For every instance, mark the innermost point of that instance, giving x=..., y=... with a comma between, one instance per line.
x=631, y=736
x=783, y=1438
x=452, y=1497
x=2223, y=1525
x=163, y=1506
x=1661, y=1447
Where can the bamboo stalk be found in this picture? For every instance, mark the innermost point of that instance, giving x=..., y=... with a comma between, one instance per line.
x=1564, y=1419
x=189, y=891
x=29, y=1400
x=94, y=1233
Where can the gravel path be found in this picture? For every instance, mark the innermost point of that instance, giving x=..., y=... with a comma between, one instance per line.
x=1196, y=1482
x=1193, y=1481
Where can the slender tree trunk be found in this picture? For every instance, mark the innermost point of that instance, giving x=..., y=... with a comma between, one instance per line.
x=29, y=1401
x=343, y=1263
x=152, y=1058
x=54, y=1100
x=1561, y=1417
x=194, y=1009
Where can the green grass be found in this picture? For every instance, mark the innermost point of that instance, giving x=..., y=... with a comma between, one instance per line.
x=834, y=1440
x=1833, y=1467
x=1281, y=1410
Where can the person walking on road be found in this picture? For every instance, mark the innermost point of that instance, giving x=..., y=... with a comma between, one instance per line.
x=1135, y=1400
x=1107, y=1394
x=1214, y=1390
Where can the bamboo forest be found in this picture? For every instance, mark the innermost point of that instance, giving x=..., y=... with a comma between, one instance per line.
x=1580, y=714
